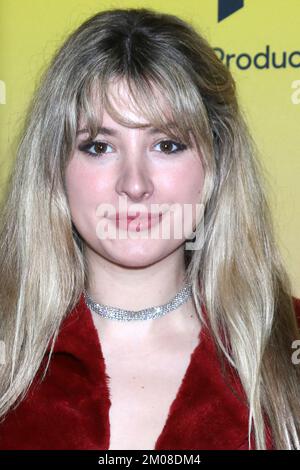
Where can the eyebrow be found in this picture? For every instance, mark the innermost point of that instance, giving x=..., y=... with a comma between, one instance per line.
x=113, y=132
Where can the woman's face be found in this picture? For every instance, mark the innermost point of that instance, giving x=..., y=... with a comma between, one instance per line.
x=133, y=167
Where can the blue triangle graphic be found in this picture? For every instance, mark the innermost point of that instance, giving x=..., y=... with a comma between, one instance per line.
x=228, y=7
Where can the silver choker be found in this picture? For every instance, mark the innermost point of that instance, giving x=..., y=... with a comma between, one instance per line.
x=115, y=313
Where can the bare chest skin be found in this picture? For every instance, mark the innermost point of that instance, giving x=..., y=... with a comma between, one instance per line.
x=144, y=382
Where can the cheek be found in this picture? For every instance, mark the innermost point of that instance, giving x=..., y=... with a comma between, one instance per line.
x=183, y=188
x=184, y=183
x=84, y=187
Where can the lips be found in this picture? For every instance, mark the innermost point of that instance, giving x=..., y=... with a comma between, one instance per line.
x=136, y=222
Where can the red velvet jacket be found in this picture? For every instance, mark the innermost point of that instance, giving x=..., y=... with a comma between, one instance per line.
x=70, y=408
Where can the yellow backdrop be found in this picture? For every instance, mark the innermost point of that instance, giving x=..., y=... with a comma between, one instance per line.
x=259, y=42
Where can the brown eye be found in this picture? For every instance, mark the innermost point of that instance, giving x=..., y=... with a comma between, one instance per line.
x=99, y=148
x=167, y=146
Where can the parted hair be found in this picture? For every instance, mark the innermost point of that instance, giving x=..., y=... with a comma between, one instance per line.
x=237, y=273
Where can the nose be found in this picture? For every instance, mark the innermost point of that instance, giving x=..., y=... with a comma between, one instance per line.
x=135, y=180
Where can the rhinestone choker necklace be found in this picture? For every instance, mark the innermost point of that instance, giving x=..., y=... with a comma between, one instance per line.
x=114, y=313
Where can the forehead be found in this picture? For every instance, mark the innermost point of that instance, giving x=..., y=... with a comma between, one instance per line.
x=122, y=100
x=108, y=121
x=117, y=104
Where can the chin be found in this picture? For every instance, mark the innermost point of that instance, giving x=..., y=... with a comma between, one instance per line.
x=136, y=254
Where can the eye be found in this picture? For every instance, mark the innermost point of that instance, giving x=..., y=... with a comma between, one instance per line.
x=166, y=146
x=99, y=148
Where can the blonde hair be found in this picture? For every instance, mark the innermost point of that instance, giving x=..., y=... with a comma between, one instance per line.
x=237, y=274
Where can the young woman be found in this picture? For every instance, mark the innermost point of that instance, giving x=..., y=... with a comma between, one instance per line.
x=142, y=342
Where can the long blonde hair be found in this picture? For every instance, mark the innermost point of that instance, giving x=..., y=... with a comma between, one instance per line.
x=243, y=283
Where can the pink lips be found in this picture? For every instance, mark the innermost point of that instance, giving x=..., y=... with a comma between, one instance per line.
x=136, y=222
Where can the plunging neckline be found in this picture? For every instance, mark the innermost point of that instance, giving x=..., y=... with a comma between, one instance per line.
x=180, y=391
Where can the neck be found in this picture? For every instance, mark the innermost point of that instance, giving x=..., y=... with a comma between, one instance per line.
x=134, y=288
x=137, y=289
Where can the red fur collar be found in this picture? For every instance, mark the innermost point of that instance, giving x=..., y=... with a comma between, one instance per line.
x=70, y=408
